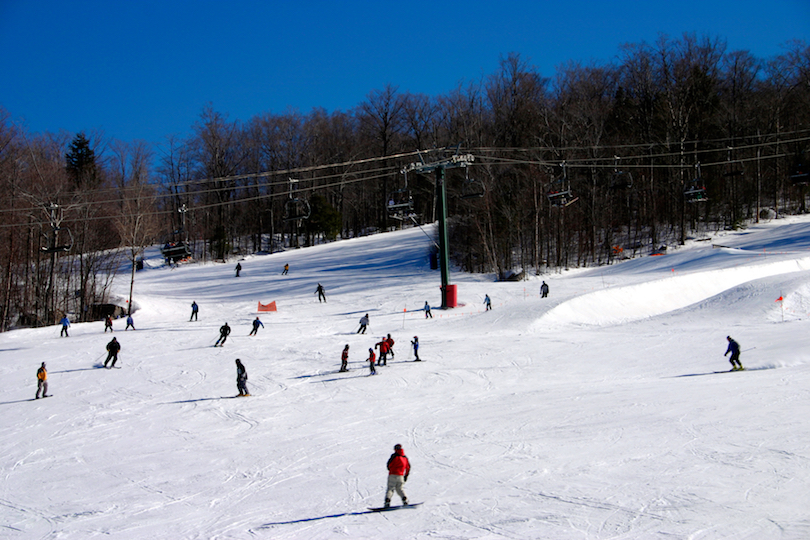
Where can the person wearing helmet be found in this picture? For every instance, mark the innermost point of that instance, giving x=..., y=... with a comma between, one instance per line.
x=112, y=352
x=241, y=379
x=384, y=349
x=398, y=470
x=256, y=324
x=734, y=349
x=42, y=381
x=344, y=359
x=224, y=331
x=415, y=344
x=363, y=324
x=371, y=358
x=390, y=342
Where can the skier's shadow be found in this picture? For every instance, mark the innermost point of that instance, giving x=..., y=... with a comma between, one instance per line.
x=311, y=375
x=198, y=400
x=307, y=520
x=95, y=367
x=341, y=378
x=719, y=372
x=12, y=402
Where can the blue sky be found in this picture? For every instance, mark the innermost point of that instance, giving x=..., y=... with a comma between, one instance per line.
x=144, y=69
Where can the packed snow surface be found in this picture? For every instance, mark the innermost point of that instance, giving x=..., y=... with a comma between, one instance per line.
x=601, y=412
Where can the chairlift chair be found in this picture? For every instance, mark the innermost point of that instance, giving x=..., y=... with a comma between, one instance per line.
x=562, y=196
x=296, y=208
x=175, y=251
x=695, y=192
x=801, y=175
x=399, y=203
x=60, y=248
x=561, y=199
x=620, y=180
x=472, y=188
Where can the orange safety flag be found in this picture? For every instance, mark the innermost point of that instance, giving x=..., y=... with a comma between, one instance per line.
x=779, y=299
x=267, y=307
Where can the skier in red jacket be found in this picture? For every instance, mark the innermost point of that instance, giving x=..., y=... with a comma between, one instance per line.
x=390, y=345
x=398, y=470
x=344, y=359
x=371, y=358
x=384, y=349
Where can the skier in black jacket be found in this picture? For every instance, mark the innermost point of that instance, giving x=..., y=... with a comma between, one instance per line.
x=241, y=379
x=112, y=352
x=734, y=349
x=224, y=331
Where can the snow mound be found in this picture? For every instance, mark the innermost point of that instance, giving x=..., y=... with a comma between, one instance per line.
x=618, y=305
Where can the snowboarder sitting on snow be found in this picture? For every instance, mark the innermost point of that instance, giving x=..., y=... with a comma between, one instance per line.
x=384, y=349
x=415, y=344
x=256, y=324
x=363, y=324
x=130, y=322
x=224, y=331
x=543, y=290
x=241, y=379
x=344, y=359
x=112, y=352
x=65, y=323
x=734, y=349
x=108, y=323
x=194, y=310
x=398, y=470
x=238, y=268
x=321, y=293
x=42, y=381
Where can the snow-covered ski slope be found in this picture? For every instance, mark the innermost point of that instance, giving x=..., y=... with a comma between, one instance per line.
x=595, y=413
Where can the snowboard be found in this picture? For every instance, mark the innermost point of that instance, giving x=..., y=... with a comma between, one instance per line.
x=730, y=370
x=43, y=397
x=400, y=507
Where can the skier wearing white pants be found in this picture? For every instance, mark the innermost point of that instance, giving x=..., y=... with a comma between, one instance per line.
x=398, y=470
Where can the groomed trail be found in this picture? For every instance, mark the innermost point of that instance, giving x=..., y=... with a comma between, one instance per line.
x=594, y=413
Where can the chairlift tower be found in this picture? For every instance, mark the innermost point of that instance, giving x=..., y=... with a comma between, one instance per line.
x=455, y=161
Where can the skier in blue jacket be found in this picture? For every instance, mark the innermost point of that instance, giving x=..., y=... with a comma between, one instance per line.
x=65, y=324
x=256, y=324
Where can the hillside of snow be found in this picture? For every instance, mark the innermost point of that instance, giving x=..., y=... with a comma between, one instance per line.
x=601, y=412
